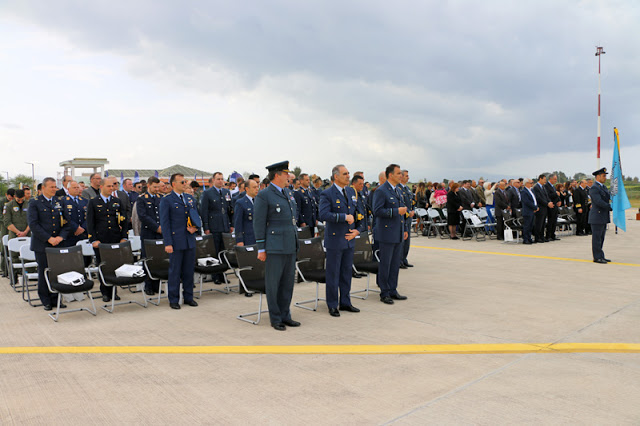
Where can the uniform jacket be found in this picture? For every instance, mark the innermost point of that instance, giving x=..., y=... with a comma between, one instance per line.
x=409, y=201
x=274, y=221
x=334, y=209
x=76, y=215
x=243, y=216
x=148, y=210
x=306, y=207
x=579, y=199
x=362, y=213
x=46, y=220
x=174, y=216
x=389, y=225
x=600, y=207
x=16, y=215
x=215, y=210
x=106, y=222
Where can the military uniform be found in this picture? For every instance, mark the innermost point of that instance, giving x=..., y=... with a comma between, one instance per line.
x=17, y=215
x=580, y=199
x=409, y=202
x=599, y=217
x=276, y=233
x=45, y=218
x=361, y=217
x=148, y=210
x=74, y=211
x=243, y=221
x=216, y=214
x=3, y=232
x=306, y=207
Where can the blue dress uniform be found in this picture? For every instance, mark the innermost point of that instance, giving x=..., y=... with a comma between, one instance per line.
x=243, y=221
x=389, y=232
x=362, y=219
x=216, y=214
x=599, y=216
x=334, y=207
x=306, y=207
x=148, y=209
x=175, y=215
x=46, y=220
x=74, y=211
x=409, y=202
x=276, y=233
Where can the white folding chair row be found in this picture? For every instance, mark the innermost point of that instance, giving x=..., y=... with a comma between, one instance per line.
x=27, y=261
x=14, y=247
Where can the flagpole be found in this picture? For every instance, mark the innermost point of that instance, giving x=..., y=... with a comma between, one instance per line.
x=599, y=52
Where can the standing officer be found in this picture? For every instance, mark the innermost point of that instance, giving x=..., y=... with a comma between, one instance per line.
x=544, y=204
x=46, y=223
x=243, y=215
x=216, y=213
x=599, y=214
x=338, y=210
x=580, y=199
x=529, y=208
x=75, y=213
x=179, y=221
x=148, y=209
x=552, y=212
x=276, y=233
x=15, y=217
x=409, y=201
x=106, y=223
x=389, y=212
x=305, y=202
x=362, y=222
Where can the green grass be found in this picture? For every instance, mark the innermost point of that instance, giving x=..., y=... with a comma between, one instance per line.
x=633, y=192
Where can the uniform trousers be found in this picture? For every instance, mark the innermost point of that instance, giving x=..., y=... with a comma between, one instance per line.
x=46, y=297
x=339, y=273
x=182, y=264
x=278, y=279
x=219, y=243
x=406, y=245
x=389, y=268
x=597, y=240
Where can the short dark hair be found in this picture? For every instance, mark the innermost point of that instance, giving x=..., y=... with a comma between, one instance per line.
x=303, y=175
x=39, y=187
x=19, y=193
x=273, y=173
x=295, y=180
x=217, y=173
x=11, y=192
x=254, y=176
x=123, y=182
x=195, y=184
x=542, y=176
x=153, y=180
x=47, y=179
x=390, y=169
x=174, y=177
x=356, y=178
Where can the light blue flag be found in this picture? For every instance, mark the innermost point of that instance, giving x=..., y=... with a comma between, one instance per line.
x=136, y=177
x=106, y=173
x=121, y=181
x=619, y=200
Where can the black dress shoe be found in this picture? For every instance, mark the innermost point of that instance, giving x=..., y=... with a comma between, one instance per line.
x=403, y=267
x=62, y=306
x=599, y=261
x=191, y=303
x=555, y=239
x=47, y=307
x=398, y=296
x=117, y=297
x=106, y=298
x=527, y=242
x=248, y=294
x=334, y=312
x=174, y=305
x=149, y=292
x=408, y=265
x=546, y=240
x=217, y=281
x=607, y=260
x=456, y=238
x=279, y=326
x=386, y=300
x=349, y=308
x=291, y=323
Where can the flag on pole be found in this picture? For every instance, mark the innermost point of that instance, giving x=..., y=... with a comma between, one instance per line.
x=106, y=173
x=619, y=200
x=136, y=177
x=156, y=174
x=121, y=181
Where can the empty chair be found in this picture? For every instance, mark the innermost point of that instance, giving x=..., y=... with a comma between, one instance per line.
x=156, y=265
x=251, y=277
x=364, y=261
x=61, y=261
x=512, y=224
x=228, y=255
x=436, y=222
x=321, y=228
x=5, y=250
x=473, y=226
x=114, y=256
x=28, y=261
x=311, y=267
x=205, y=247
x=89, y=258
x=13, y=254
x=136, y=245
x=305, y=232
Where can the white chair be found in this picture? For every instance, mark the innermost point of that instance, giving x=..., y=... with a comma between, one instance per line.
x=5, y=251
x=28, y=260
x=136, y=245
x=88, y=251
x=14, y=247
x=473, y=226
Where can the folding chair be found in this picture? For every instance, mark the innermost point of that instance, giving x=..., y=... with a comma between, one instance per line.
x=321, y=228
x=251, y=277
x=114, y=256
x=365, y=261
x=5, y=250
x=512, y=224
x=422, y=215
x=28, y=260
x=156, y=265
x=473, y=226
x=14, y=247
x=311, y=267
x=136, y=246
x=63, y=260
x=305, y=232
x=436, y=222
x=229, y=256
x=205, y=247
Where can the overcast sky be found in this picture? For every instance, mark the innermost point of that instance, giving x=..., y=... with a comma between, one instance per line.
x=446, y=89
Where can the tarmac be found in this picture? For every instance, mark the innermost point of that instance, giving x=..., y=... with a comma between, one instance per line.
x=492, y=333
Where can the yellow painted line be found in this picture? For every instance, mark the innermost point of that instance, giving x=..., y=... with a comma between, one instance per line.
x=499, y=348
x=531, y=256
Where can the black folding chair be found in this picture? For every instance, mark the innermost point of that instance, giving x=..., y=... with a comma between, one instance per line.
x=365, y=261
x=251, y=276
x=321, y=229
x=305, y=232
x=156, y=265
x=114, y=256
x=61, y=261
x=205, y=247
x=311, y=267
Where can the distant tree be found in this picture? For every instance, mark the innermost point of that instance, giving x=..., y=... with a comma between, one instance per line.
x=635, y=179
x=579, y=176
x=4, y=185
x=561, y=176
x=21, y=180
x=297, y=170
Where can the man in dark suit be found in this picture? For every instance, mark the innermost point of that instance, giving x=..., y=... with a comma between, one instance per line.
x=580, y=200
x=337, y=210
x=45, y=220
x=409, y=202
x=243, y=215
x=64, y=191
x=543, y=205
x=148, y=209
x=599, y=214
x=133, y=196
x=75, y=212
x=179, y=221
x=306, y=203
x=276, y=234
x=466, y=197
x=501, y=204
x=552, y=211
x=513, y=193
x=216, y=213
x=529, y=208
x=389, y=212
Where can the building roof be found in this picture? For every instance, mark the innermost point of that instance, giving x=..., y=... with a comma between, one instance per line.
x=188, y=172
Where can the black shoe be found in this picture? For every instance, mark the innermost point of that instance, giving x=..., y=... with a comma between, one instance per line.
x=599, y=261
x=191, y=303
x=354, y=274
x=555, y=239
x=398, y=296
x=349, y=308
x=334, y=312
x=149, y=292
x=62, y=306
x=217, y=281
x=408, y=265
x=117, y=297
x=106, y=298
x=606, y=260
x=403, y=267
x=47, y=307
x=279, y=326
x=174, y=305
x=456, y=238
x=248, y=294
x=527, y=242
x=386, y=300
x=546, y=240
x=291, y=323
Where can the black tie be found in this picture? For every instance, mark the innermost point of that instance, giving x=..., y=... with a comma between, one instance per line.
x=344, y=193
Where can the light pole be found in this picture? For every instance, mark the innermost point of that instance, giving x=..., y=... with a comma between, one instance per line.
x=7, y=175
x=33, y=174
x=599, y=52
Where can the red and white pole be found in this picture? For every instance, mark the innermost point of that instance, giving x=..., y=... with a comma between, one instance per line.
x=599, y=52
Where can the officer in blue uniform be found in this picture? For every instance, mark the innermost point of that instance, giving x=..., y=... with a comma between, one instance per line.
x=74, y=209
x=243, y=215
x=389, y=211
x=180, y=221
x=337, y=211
x=362, y=221
x=599, y=214
x=48, y=229
x=216, y=213
x=305, y=202
x=148, y=209
x=409, y=202
x=274, y=224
